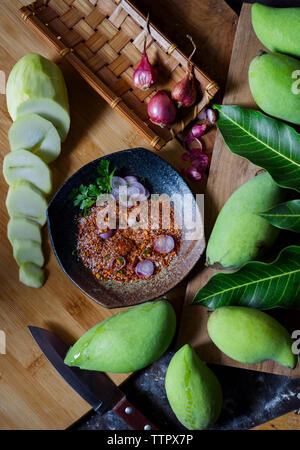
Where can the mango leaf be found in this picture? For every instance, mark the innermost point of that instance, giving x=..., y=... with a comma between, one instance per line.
x=286, y=216
x=266, y=142
x=256, y=284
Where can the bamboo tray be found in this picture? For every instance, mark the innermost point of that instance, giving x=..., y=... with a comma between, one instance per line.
x=103, y=40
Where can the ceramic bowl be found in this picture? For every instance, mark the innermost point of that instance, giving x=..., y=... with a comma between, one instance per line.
x=160, y=178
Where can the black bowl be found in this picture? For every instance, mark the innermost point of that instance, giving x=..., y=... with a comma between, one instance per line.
x=160, y=178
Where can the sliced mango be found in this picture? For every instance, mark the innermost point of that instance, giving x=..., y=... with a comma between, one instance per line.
x=25, y=200
x=24, y=165
x=26, y=250
x=22, y=228
x=31, y=275
x=37, y=135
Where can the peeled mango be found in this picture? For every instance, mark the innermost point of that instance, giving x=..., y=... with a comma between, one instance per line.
x=22, y=228
x=36, y=85
x=240, y=234
x=37, y=135
x=250, y=336
x=274, y=84
x=126, y=342
x=24, y=165
x=26, y=201
x=31, y=275
x=277, y=28
x=193, y=390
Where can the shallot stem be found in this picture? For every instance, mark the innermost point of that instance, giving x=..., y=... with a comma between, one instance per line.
x=194, y=49
x=147, y=32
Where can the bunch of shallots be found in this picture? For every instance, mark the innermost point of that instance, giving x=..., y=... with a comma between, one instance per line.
x=162, y=110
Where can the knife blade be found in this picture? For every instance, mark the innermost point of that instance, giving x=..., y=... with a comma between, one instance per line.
x=96, y=388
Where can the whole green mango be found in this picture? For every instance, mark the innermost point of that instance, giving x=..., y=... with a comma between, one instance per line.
x=240, y=234
x=36, y=86
x=250, y=336
x=273, y=80
x=277, y=28
x=126, y=342
x=193, y=390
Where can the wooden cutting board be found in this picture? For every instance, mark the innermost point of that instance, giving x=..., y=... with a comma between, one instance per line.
x=227, y=173
x=33, y=395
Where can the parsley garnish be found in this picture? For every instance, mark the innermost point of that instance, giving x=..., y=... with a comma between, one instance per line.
x=86, y=196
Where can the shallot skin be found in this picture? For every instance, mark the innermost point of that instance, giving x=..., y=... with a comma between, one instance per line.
x=161, y=109
x=184, y=92
x=145, y=75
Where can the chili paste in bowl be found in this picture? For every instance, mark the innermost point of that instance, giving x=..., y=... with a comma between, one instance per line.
x=116, y=231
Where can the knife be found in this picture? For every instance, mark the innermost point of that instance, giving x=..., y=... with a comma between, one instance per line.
x=95, y=388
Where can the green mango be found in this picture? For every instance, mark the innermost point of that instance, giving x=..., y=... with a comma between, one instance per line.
x=193, y=390
x=250, y=336
x=36, y=85
x=274, y=84
x=126, y=342
x=240, y=234
x=277, y=28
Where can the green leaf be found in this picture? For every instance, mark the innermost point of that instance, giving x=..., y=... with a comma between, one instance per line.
x=86, y=196
x=266, y=142
x=103, y=167
x=286, y=216
x=256, y=284
x=83, y=189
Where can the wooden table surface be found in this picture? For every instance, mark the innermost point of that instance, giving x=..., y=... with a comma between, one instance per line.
x=211, y=23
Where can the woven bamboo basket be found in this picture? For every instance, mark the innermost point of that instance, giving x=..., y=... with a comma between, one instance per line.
x=103, y=40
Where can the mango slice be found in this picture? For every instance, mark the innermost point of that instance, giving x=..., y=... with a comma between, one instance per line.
x=26, y=250
x=22, y=228
x=24, y=165
x=31, y=275
x=26, y=201
x=37, y=135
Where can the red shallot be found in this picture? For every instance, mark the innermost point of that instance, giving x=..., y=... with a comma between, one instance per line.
x=193, y=173
x=116, y=183
x=208, y=116
x=144, y=269
x=198, y=130
x=107, y=234
x=161, y=109
x=145, y=75
x=131, y=179
x=164, y=244
x=118, y=263
x=185, y=92
x=211, y=115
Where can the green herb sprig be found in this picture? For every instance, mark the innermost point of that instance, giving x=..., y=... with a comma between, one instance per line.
x=86, y=196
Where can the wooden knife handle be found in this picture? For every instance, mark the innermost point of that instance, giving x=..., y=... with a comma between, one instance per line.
x=132, y=416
